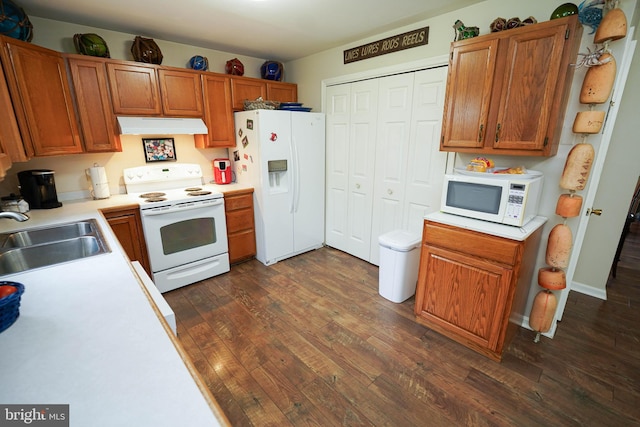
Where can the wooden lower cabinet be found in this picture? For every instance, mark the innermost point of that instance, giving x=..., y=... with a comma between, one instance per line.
x=469, y=284
x=241, y=233
x=127, y=226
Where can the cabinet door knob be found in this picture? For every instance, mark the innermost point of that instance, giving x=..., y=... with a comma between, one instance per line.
x=480, y=132
x=498, y=132
x=357, y=185
x=389, y=191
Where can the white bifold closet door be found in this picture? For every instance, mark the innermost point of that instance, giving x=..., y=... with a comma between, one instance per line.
x=384, y=167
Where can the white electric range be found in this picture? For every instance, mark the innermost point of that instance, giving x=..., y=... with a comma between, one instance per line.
x=184, y=223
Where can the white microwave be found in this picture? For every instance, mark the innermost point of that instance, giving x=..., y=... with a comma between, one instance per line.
x=502, y=198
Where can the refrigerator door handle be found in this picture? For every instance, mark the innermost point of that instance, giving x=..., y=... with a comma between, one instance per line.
x=296, y=176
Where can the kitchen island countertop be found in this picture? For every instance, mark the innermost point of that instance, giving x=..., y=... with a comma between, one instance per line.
x=89, y=337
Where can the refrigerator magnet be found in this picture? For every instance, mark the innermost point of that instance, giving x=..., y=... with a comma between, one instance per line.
x=245, y=142
x=240, y=133
x=236, y=155
x=244, y=168
x=274, y=136
x=246, y=156
x=249, y=124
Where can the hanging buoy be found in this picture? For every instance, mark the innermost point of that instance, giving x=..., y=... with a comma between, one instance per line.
x=612, y=27
x=588, y=122
x=598, y=81
x=542, y=312
x=552, y=278
x=577, y=167
x=569, y=205
x=559, y=247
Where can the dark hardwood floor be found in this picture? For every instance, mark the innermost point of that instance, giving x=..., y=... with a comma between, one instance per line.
x=308, y=341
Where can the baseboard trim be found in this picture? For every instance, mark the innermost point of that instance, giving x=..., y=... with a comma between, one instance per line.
x=581, y=288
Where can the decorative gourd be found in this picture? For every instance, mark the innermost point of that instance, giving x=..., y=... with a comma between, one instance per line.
x=598, y=81
x=577, y=167
x=559, y=246
x=542, y=311
x=569, y=205
x=552, y=278
x=588, y=122
x=612, y=27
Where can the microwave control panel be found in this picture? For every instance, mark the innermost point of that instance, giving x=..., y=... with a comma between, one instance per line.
x=515, y=201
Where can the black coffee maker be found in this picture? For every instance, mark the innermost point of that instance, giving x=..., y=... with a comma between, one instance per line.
x=38, y=188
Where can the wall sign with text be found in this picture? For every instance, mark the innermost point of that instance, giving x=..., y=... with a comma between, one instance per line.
x=391, y=44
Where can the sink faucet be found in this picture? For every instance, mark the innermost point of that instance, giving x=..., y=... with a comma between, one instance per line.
x=14, y=215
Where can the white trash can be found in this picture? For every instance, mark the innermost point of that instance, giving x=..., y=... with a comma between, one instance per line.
x=398, y=270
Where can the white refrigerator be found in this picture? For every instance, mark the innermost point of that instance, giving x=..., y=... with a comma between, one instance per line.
x=281, y=154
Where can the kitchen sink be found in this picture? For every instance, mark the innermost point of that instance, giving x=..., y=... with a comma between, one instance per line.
x=40, y=247
x=46, y=235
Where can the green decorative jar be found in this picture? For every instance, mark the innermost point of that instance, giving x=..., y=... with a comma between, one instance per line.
x=563, y=10
x=91, y=44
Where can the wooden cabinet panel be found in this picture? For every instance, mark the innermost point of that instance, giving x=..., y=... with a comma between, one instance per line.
x=127, y=226
x=473, y=243
x=97, y=122
x=470, y=79
x=465, y=295
x=218, y=114
x=507, y=91
x=469, y=284
x=282, y=92
x=10, y=139
x=181, y=93
x=41, y=97
x=240, y=225
x=134, y=89
x=243, y=89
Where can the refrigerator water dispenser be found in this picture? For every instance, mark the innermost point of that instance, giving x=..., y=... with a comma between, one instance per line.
x=278, y=181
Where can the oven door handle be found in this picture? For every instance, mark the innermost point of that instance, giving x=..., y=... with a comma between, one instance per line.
x=181, y=208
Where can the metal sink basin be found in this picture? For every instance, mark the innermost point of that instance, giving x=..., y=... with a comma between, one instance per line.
x=41, y=247
x=38, y=236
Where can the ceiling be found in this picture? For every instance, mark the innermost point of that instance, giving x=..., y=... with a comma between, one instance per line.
x=275, y=29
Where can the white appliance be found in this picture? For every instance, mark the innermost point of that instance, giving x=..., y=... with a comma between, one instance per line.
x=183, y=221
x=281, y=154
x=501, y=198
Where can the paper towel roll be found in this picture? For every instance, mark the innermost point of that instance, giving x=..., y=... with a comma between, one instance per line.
x=98, y=175
x=99, y=182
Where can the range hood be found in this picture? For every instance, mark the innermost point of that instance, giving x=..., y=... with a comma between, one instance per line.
x=160, y=126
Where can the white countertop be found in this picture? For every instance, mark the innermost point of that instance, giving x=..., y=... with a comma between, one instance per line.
x=88, y=336
x=500, y=230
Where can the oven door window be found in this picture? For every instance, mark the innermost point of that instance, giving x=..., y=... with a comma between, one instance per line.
x=189, y=234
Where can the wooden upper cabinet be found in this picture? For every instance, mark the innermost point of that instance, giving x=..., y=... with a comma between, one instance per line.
x=218, y=115
x=11, y=148
x=471, y=80
x=134, y=89
x=41, y=97
x=98, y=124
x=181, y=93
x=282, y=92
x=243, y=89
x=507, y=91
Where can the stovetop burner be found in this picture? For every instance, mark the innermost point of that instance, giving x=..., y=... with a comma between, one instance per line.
x=153, y=195
x=192, y=189
x=198, y=193
x=155, y=199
